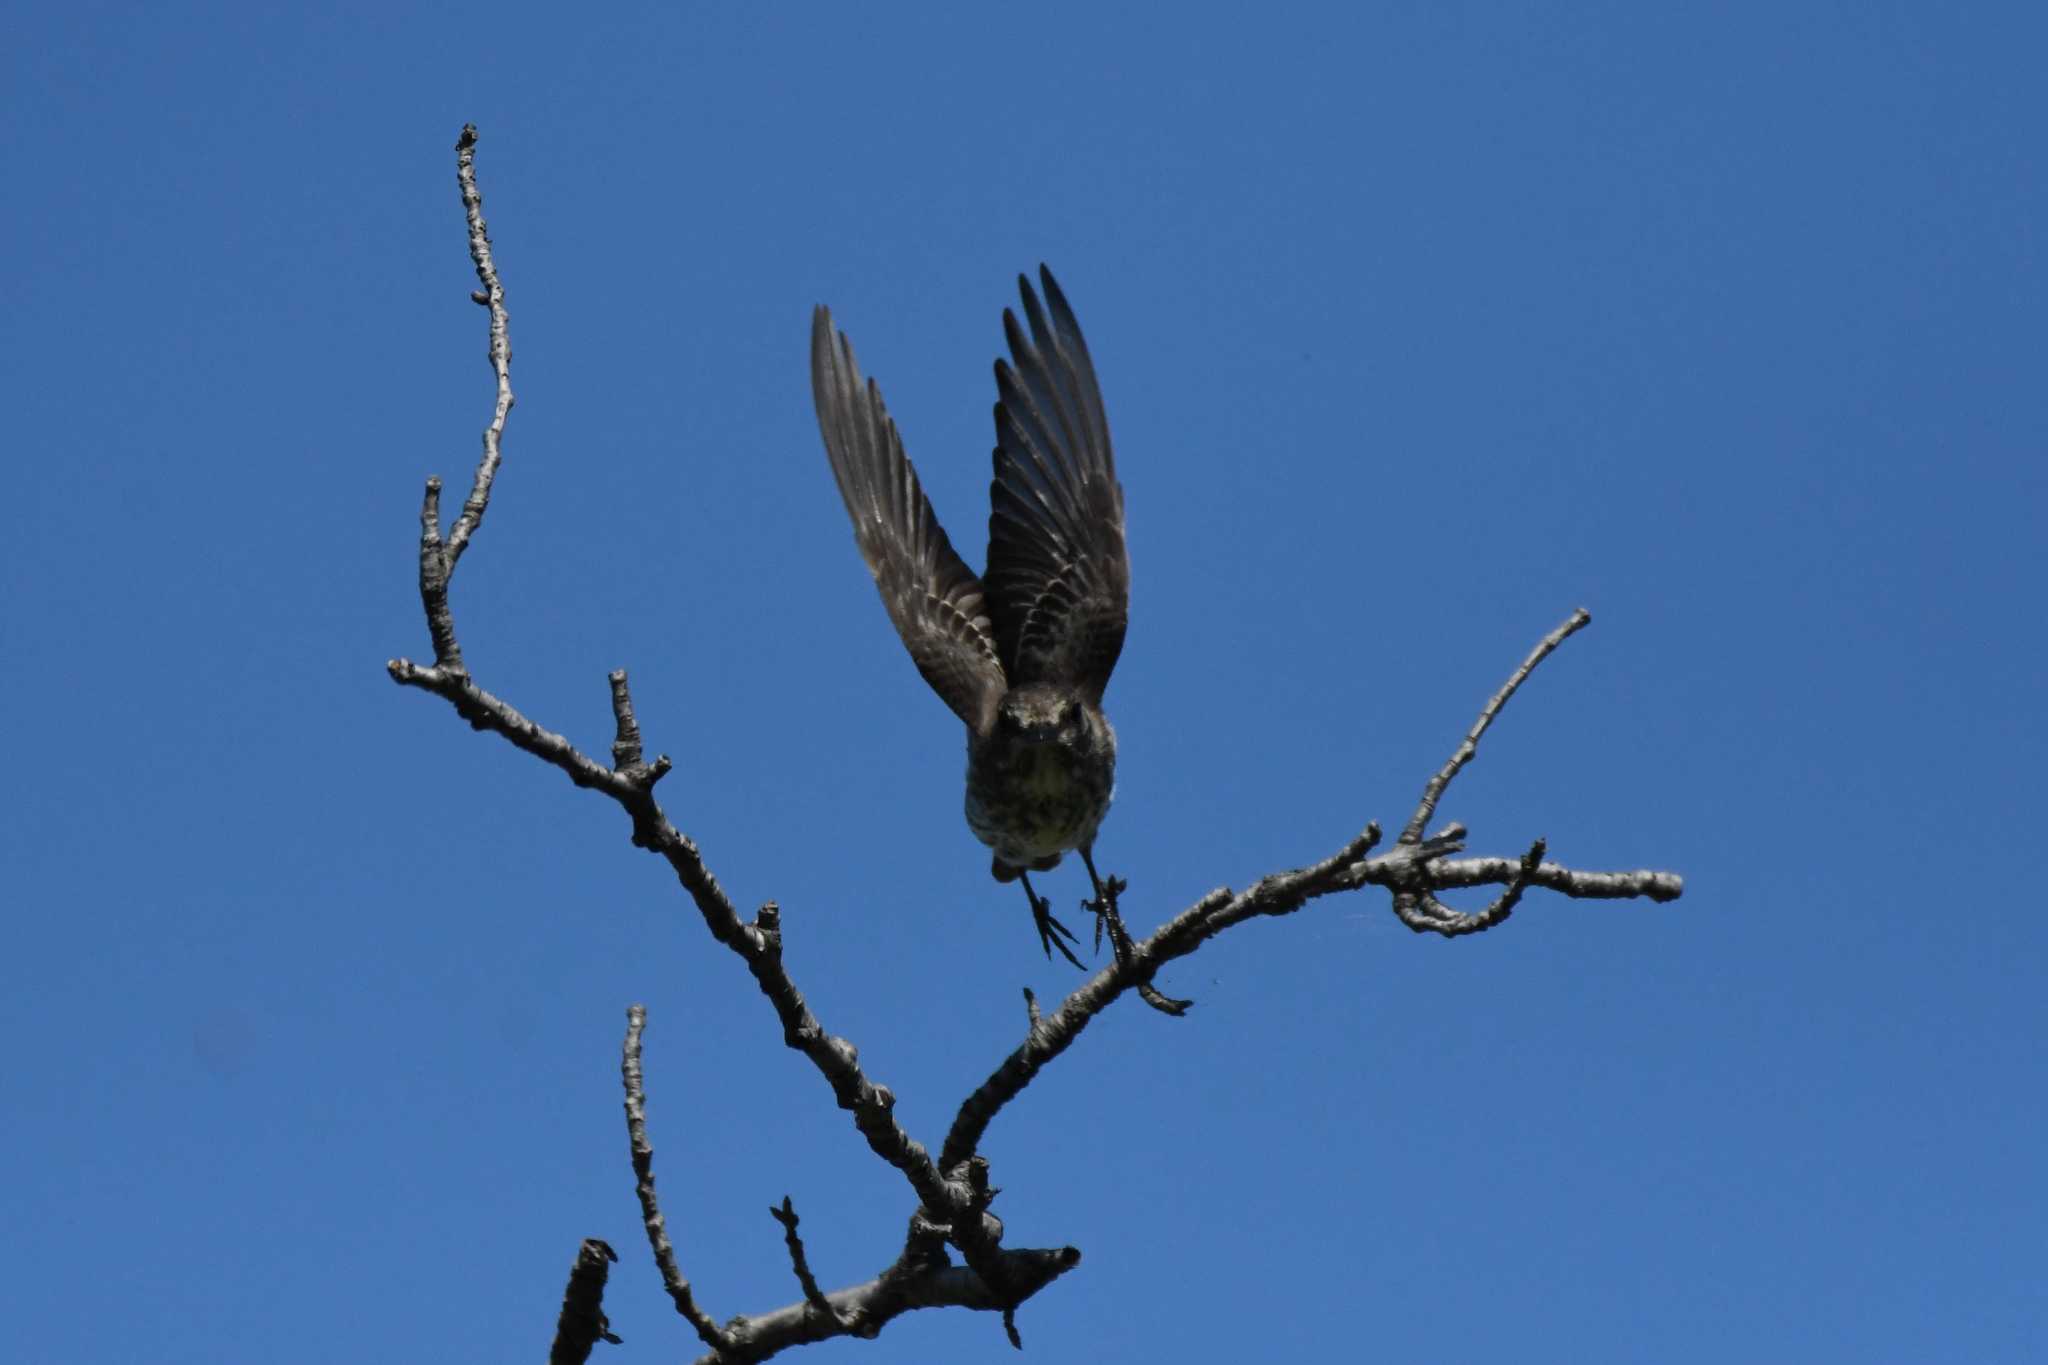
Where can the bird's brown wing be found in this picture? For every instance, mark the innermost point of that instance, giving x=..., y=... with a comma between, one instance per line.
x=1058, y=577
x=934, y=600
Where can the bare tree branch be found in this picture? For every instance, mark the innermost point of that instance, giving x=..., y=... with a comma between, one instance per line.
x=631, y=783
x=1051, y=1035
x=582, y=1323
x=884, y=1298
x=920, y=1278
x=650, y=1210
x=438, y=558
x=759, y=944
x=953, y=1193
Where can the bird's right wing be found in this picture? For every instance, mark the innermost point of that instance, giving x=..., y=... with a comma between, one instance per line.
x=1059, y=578
x=934, y=600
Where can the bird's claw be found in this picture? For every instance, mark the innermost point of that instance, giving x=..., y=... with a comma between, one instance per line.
x=1051, y=933
x=1103, y=905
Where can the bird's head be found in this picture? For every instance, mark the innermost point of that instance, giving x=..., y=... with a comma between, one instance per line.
x=1041, y=714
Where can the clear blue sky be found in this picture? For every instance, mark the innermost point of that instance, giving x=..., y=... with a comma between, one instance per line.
x=1419, y=326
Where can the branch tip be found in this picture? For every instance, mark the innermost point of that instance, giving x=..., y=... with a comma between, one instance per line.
x=813, y=1296
x=582, y=1323
x=626, y=744
x=1171, y=1006
x=491, y=296
x=1466, y=751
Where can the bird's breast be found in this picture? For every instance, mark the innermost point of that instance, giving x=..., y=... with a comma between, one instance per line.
x=1029, y=802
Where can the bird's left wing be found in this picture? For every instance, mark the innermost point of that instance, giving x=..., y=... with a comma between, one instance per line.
x=934, y=600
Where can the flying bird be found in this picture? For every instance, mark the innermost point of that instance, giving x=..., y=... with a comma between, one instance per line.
x=1022, y=653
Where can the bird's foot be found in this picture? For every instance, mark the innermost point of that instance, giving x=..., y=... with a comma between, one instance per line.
x=1103, y=905
x=1051, y=933
x=1110, y=921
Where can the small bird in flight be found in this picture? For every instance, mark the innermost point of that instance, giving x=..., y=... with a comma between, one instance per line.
x=1023, y=653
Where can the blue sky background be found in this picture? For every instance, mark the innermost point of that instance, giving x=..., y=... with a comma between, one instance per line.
x=1419, y=326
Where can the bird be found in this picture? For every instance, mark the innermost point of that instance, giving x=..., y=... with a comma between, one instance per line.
x=1022, y=653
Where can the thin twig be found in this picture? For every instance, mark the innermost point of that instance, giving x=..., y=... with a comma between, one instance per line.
x=438, y=557
x=650, y=1210
x=808, y=1283
x=1432, y=793
x=491, y=296
x=626, y=752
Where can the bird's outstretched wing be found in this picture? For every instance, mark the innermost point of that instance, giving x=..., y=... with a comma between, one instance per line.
x=934, y=600
x=1058, y=578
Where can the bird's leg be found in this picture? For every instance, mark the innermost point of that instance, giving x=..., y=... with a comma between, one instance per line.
x=1107, y=917
x=1051, y=933
x=1104, y=906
